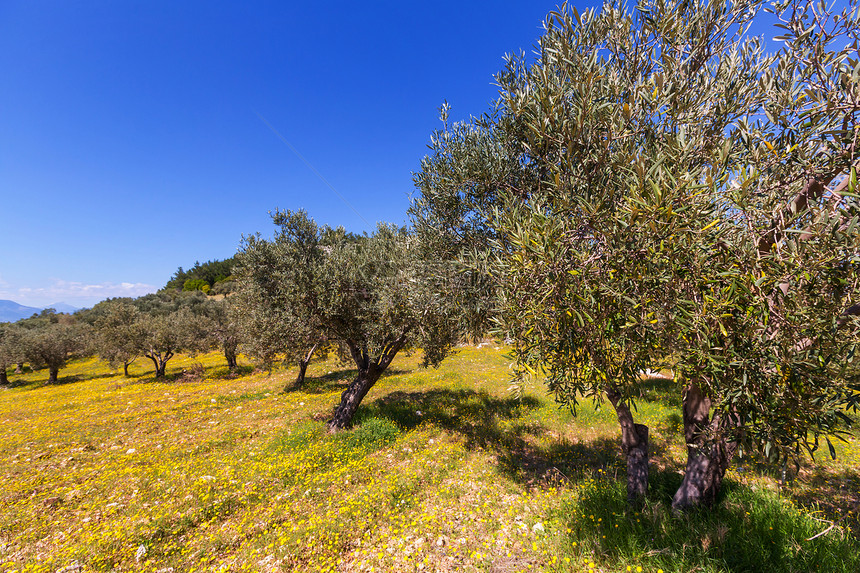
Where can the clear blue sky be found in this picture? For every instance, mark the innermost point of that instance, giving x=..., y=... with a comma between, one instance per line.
x=129, y=143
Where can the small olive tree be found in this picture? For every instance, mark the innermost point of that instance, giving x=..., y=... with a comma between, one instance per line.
x=120, y=334
x=275, y=328
x=655, y=191
x=368, y=294
x=221, y=321
x=53, y=344
x=11, y=349
x=177, y=331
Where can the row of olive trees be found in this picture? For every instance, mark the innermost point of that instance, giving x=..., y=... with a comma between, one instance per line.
x=45, y=340
x=655, y=190
x=159, y=326
x=120, y=331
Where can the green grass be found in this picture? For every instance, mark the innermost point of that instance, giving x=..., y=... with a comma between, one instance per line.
x=750, y=530
x=445, y=470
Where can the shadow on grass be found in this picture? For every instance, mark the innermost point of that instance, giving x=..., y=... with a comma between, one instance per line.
x=501, y=426
x=831, y=492
x=224, y=372
x=61, y=380
x=747, y=530
x=190, y=374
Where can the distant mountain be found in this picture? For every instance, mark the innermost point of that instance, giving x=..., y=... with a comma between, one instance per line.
x=63, y=307
x=10, y=311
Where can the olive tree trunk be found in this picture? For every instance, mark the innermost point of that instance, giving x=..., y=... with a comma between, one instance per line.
x=709, y=452
x=303, y=367
x=53, y=373
x=230, y=355
x=352, y=397
x=634, y=443
x=160, y=362
x=4, y=379
x=369, y=371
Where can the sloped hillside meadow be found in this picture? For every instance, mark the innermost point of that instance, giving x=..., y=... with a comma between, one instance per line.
x=446, y=470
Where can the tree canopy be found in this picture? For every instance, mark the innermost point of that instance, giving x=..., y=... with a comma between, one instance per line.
x=654, y=190
x=53, y=343
x=11, y=348
x=368, y=294
x=120, y=334
x=202, y=276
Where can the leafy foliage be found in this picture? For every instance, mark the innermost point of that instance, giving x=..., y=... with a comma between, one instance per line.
x=202, y=275
x=120, y=334
x=53, y=344
x=656, y=191
x=224, y=329
x=167, y=334
x=11, y=348
x=274, y=303
x=368, y=294
x=166, y=302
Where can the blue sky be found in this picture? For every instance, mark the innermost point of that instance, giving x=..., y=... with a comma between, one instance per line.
x=131, y=138
x=130, y=144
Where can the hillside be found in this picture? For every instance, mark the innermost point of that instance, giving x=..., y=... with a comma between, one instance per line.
x=10, y=311
x=446, y=471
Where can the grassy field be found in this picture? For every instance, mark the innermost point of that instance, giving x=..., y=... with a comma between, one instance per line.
x=445, y=471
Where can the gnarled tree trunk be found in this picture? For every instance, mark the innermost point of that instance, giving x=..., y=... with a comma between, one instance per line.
x=160, y=362
x=303, y=367
x=352, y=397
x=634, y=443
x=709, y=452
x=230, y=355
x=53, y=373
x=4, y=379
x=369, y=371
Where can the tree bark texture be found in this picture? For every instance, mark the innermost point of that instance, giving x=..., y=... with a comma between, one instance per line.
x=4, y=379
x=230, y=355
x=160, y=362
x=125, y=368
x=303, y=367
x=300, y=377
x=53, y=373
x=352, y=397
x=709, y=452
x=634, y=444
x=369, y=371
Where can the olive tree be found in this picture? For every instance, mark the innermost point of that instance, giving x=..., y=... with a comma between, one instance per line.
x=120, y=333
x=178, y=331
x=368, y=294
x=273, y=276
x=655, y=191
x=53, y=344
x=224, y=329
x=11, y=350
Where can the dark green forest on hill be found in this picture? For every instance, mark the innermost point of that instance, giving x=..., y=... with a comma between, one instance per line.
x=212, y=276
